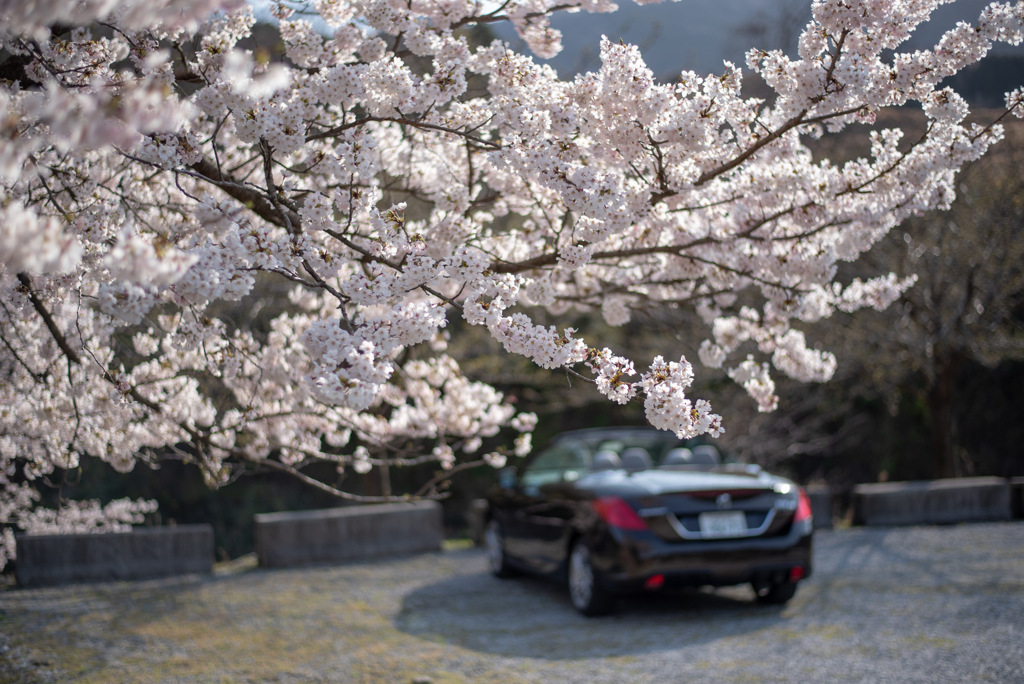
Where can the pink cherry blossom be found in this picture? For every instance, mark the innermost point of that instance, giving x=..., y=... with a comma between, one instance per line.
x=156, y=183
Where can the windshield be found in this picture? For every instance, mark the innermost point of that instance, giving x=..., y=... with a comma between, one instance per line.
x=562, y=461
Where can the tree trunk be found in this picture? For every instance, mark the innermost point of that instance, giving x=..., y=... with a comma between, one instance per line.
x=940, y=406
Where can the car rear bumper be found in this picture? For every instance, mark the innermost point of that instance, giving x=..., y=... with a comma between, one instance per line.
x=625, y=562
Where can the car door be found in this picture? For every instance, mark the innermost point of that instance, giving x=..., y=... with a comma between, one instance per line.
x=544, y=518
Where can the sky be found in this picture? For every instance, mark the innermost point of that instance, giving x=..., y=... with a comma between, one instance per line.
x=699, y=34
x=696, y=34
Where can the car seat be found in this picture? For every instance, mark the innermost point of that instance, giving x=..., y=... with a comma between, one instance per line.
x=607, y=460
x=678, y=457
x=706, y=455
x=635, y=459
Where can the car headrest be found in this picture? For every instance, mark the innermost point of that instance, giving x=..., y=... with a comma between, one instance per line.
x=678, y=457
x=705, y=454
x=635, y=458
x=607, y=460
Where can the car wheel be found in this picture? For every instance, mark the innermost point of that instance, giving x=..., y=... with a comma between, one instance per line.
x=495, y=542
x=585, y=592
x=777, y=593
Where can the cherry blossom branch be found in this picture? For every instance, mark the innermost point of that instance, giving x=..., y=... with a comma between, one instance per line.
x=51, y=325
x=72, y=356
x=444, y=476
x=495, y=17
x=317, y=484
x=334, y=132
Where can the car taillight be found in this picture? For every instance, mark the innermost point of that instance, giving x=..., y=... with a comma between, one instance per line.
x=803, y=505
x=654, y=582
x=618, y=513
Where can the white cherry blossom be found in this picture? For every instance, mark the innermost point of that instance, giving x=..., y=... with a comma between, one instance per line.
x=157, y=183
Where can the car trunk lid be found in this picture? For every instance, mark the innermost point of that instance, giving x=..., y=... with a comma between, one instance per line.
x=687, y=506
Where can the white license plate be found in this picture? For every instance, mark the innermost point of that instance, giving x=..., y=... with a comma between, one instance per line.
x=722, y=525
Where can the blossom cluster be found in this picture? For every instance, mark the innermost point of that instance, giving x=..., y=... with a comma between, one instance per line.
x=253, y=259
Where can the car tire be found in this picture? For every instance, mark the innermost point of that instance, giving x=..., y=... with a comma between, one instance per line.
x=494, y=540
x=777, y=593
x=585, y=591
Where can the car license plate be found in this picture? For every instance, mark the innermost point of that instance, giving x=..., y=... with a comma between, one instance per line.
x=722, y=525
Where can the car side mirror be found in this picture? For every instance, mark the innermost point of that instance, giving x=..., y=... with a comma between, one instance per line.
x=508, y=478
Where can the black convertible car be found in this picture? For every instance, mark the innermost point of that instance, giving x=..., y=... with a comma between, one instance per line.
x=616, y=510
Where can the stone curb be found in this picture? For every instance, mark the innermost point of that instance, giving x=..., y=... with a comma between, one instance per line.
x=1017, y=496
x=349, y=533
x=143, y=553
x=932, y=502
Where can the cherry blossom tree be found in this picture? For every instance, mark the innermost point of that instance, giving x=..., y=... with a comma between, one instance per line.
x=153, y=169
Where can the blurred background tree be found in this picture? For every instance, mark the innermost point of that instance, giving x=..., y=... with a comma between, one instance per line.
x=968, y=304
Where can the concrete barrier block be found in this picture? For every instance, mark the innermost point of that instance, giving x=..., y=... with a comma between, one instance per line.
x=1017, y=496
x=350, y=533
x=934, y=502
x=475, y=520
x=821, y=505
x=143, y=553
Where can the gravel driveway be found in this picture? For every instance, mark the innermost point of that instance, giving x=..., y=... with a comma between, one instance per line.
x=924, y=604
